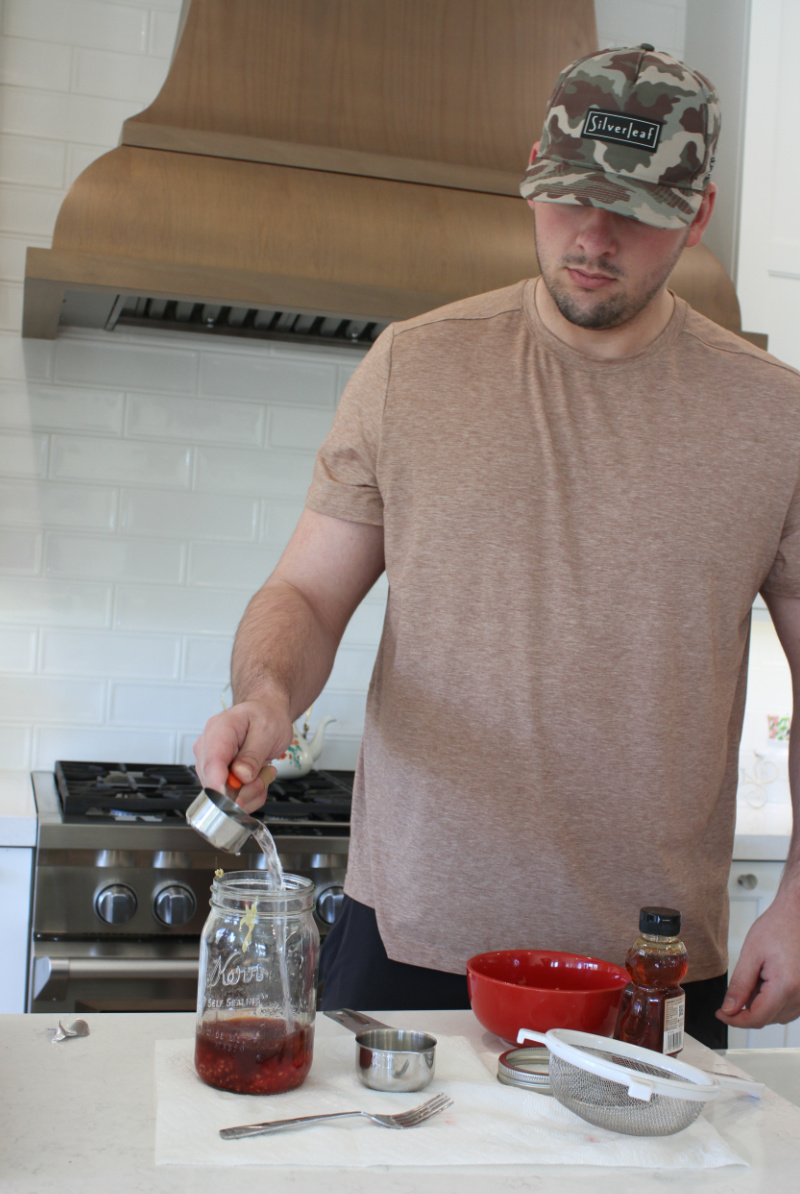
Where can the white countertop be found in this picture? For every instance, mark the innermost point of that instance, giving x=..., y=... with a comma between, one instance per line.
x=81, y=1116
x=17, y=809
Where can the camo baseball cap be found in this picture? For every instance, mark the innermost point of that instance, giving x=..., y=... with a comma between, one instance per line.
x=631, y=130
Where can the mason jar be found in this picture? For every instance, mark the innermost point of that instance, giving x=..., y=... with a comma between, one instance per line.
x=257, y=981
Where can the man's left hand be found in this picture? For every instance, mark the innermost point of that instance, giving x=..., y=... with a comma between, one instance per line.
x=765, y=985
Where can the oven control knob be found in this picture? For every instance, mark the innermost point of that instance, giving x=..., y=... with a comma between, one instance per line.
x=116, y=904
x=175, y=905
x=328, y=903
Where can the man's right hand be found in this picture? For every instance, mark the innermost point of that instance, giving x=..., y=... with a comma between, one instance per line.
x=243, y=739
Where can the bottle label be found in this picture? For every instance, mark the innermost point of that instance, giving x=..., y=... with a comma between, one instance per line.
x=674, y=1015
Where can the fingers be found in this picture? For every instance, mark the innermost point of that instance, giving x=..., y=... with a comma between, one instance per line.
x=240, y=742
x=250, y=797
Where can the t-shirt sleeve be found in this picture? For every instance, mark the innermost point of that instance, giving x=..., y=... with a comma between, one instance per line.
x=345, y=481
x=784, y=576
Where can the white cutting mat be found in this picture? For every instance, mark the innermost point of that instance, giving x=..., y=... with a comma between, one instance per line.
x=488, y=1124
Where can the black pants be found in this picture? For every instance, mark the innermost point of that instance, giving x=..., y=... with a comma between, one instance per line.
x=356, y=972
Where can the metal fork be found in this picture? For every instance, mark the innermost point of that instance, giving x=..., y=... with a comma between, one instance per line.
x=405, y=1119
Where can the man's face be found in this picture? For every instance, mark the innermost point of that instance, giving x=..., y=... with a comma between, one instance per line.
x=602, y=269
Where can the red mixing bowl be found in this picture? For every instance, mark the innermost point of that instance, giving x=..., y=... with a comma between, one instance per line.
x=541, y=989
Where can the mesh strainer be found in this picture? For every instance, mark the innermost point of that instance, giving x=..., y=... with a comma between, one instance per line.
x=626, y=1088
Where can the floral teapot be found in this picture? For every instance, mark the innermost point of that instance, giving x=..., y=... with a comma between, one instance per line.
x=301, y=754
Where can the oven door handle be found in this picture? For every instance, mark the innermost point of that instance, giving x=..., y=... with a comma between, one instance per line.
x=52, y=975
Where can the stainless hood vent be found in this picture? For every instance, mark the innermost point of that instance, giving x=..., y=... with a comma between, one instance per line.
x=319, y=168
x=83, y=309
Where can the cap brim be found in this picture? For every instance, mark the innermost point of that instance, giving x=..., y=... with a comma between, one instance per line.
x=660, y=206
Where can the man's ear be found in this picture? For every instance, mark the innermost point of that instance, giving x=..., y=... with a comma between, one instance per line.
x=534, y=152
x=700, y=221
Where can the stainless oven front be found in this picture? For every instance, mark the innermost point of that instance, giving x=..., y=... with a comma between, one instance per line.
x=118, y=909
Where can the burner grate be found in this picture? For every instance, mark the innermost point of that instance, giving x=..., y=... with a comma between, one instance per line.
x=160, y=792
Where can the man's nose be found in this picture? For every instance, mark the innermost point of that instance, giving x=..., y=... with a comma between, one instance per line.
x=597, y=232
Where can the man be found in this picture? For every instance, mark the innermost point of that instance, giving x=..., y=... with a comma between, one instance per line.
x=577, y=486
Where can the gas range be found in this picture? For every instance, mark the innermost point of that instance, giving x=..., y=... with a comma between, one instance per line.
x=122, y=883
x=315, y=805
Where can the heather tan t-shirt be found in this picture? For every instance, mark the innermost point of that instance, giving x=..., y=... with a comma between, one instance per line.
x=572, y=548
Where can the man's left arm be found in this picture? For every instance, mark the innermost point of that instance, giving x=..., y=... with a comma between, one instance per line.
x=765, y=985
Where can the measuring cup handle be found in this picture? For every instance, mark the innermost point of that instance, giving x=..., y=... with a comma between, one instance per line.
x=355, y=1021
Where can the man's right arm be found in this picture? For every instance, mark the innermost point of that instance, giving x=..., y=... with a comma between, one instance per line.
x=285, y=647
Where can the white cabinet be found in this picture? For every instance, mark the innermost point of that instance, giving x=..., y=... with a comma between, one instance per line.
x=16, y=869
x=752, y=887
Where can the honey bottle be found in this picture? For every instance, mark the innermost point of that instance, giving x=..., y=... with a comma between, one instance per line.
x=653, y=1005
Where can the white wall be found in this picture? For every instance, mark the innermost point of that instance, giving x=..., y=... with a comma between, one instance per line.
x=768, y=278
x=146, y=492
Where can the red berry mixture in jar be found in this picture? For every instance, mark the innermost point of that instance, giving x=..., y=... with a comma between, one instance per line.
x=249, y=1056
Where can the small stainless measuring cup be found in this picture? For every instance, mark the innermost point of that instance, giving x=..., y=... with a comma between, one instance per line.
x=394, y=1059
x=220, y=821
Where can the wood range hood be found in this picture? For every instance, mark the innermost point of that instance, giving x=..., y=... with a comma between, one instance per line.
x=318, y=168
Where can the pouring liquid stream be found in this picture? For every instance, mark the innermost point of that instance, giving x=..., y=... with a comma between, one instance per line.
x=266, y=844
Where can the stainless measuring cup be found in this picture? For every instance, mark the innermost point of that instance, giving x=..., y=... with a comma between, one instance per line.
x=220, y=820
x=393, y=1059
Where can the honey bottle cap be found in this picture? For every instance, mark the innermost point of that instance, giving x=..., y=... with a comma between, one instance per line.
x=660, y=922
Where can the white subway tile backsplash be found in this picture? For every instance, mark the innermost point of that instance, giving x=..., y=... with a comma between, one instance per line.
x=195, y=419
x=10, y=307
x=262, y=474
x=347, y=707
x=101, y=557
x=55, y=408
x=20, y=552
x=106, y=653
x=230, y=565
x=163, y=705
x=298, y=427
x=352, y=669
x=340, y=754
x=208, y=660
x=23, y=455
x=254, y=373
x=27, y=210
x=37, y=163
x=26, y=503
x=191, y=515
x=22, y=360
x=365, y=626
x=26, y=699
x=91, y=359
x=103, y=745
x=55, y=603
x=13, y=250
x=27, y=63
x=17, y=651
x=184, y=611
x=70, y=117
x=163, y=30
x=133, y=462
x=15, y=747
x=118, y=76
x=279, y=519
x=78, y=23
